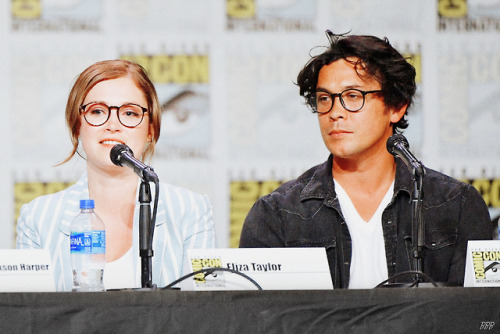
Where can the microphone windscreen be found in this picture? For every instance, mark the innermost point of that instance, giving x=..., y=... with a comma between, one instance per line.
x=117, y=151
x=394, y=139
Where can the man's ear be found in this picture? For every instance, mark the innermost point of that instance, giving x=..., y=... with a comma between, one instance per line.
x=397, y=113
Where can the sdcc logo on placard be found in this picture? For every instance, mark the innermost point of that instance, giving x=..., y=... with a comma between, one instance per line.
x=55, y=15
x=466, y=15
x=486, y=266
x=270, y=15
x=214, y=279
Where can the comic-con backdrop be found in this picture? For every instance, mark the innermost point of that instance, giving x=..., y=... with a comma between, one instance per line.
x=234, y=126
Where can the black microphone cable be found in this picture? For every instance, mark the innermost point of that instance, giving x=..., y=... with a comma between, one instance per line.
x=409, y=272
x=208, y=271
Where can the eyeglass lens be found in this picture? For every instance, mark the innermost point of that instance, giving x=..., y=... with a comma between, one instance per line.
x=129, y=115
x=351, y=99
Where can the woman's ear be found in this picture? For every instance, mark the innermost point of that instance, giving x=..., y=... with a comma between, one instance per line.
x=151, y=134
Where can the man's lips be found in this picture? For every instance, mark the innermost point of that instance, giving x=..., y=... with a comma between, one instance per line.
x=338, y=133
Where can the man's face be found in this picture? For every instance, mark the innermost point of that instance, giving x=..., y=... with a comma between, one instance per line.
x=354, y=135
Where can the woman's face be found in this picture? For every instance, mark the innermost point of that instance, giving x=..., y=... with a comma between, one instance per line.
x=97, y=141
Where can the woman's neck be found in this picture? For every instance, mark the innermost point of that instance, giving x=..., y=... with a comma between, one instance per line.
x=112, y=190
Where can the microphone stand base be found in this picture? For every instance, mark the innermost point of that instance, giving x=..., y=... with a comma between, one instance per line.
x=153, y=288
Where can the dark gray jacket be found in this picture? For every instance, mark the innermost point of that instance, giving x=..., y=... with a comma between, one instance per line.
x=306, y=212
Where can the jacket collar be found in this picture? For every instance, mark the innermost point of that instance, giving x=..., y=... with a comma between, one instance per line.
x=404, y=179
x=321, y=186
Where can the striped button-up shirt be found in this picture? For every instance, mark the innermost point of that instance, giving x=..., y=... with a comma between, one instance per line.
x=184, y=220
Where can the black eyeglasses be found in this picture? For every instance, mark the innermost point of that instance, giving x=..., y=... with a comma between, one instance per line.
x=97, y=113
x=351, y=99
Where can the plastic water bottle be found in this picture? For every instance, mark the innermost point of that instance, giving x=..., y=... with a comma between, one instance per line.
x=88, y=249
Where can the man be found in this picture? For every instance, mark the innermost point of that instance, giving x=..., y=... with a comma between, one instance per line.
x=358, y=204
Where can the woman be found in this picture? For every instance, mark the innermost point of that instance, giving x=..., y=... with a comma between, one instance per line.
x=114, y=102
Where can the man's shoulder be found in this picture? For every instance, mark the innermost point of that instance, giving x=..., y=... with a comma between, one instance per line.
x=293, y=189
x=434, y=176
x=439, y=187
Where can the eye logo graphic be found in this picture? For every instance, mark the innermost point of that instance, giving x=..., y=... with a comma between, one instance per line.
x=492, y=269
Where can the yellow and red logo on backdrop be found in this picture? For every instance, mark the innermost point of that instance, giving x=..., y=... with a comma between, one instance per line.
x=255, y=15
x=240, y=9
x=26, y=9
x=61, y=15
x=174, y=68
x=415, y=59
x=25, y=192
x=243, y=194
x=452, y=8
x=466, y=16
x=489, y=189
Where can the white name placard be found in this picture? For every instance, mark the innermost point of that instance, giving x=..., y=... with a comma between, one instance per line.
x=25, y=270
x=270, y=268
x=482, y=266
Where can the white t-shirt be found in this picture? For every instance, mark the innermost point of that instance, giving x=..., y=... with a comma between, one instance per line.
x=368, y=263
x=120, y=274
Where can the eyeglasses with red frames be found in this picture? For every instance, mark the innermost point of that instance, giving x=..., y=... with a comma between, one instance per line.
x=130, y=115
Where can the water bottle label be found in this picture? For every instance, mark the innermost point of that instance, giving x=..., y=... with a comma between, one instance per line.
x=88, y=242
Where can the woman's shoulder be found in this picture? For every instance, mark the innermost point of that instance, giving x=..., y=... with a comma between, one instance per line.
x=173, y=196
x=174, y=190
x=53, y=202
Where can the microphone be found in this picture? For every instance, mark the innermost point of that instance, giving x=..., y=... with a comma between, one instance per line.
x=398, y=146
x=122, y=155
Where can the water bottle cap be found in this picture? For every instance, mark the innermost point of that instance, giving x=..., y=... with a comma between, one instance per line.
x=87, y=204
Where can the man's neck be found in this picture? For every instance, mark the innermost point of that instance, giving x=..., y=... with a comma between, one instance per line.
x=367, y=172
x=365, y=182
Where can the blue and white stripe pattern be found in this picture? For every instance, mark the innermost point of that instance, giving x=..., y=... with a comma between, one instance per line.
x=184, y=221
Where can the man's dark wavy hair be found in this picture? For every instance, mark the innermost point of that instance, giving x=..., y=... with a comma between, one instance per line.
x=377, y=58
